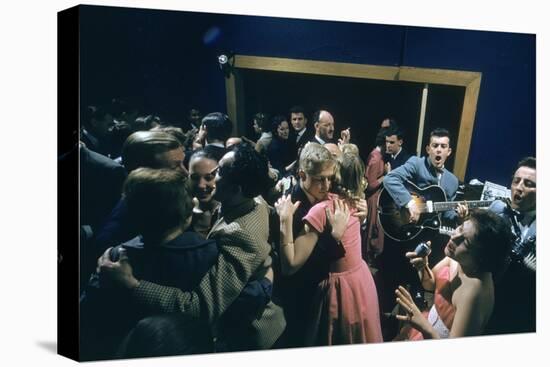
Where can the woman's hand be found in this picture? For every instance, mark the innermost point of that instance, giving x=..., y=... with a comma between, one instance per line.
x=362, y=210
x=418, y=262
x=412, y=316
x=339, y=220
x=285, y=208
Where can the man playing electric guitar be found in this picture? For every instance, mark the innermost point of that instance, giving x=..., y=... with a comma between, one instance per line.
x=422, y=172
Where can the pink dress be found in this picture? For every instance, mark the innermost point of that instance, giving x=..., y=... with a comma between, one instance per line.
x=442, y=313
x=345, y=307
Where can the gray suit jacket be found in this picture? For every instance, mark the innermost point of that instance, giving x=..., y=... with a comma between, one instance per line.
x=243, y=255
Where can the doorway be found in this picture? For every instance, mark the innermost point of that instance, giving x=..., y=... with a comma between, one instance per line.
x=359, y=97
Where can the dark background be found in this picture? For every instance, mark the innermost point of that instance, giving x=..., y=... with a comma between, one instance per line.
x=165, y=62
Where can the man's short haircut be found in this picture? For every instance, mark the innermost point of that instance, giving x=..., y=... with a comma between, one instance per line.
x=440, y=133
x=394, y=131
x=316, y=116
x=314, y=157
x=140, y=148
x=297, y=109
x=493, y=240
x=530, y=162
x=263, y=121
x=176, y=132
x=249, y=170
x=158, y=199
x=218, y=126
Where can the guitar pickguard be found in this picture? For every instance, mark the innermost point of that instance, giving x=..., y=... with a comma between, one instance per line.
x=395, y=220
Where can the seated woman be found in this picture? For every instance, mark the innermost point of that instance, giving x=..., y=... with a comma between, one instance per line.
x=463, y=281
x=345, y=307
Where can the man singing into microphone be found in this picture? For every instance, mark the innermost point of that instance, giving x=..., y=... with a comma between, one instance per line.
x=515, y=306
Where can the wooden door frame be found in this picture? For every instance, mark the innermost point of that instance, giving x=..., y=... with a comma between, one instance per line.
x=468, y=79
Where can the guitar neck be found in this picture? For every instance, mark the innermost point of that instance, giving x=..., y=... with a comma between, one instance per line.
x=450, y=205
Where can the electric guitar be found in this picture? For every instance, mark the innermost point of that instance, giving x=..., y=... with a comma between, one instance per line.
x=430, y=200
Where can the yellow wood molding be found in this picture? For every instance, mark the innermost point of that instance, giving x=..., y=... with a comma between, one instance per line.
x=466, y=128
x=317, y=67
x=468, y=79
x=231, y=101
x=437, y=76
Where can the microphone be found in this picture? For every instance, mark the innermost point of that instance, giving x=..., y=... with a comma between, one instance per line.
x=423, y=249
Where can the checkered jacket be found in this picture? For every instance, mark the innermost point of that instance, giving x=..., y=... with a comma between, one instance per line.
x=243, y=256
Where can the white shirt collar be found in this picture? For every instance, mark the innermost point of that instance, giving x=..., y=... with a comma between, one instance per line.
x=396, y=154
x=300, y=133
x=321, y=141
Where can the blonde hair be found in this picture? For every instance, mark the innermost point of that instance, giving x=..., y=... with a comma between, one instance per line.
x=314, y=157
x=351, y=181
x=350, y=148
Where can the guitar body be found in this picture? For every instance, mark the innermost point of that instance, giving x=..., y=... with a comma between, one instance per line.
x=395, y=220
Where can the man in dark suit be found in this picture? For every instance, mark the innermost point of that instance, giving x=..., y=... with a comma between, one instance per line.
x=324, y=127
x=302, y=133
x=396, y=155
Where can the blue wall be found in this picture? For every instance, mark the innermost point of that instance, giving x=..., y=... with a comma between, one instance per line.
x=164, y=57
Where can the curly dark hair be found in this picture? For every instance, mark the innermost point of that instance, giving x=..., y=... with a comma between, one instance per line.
x=249, y=170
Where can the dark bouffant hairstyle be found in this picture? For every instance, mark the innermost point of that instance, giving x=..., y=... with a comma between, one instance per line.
x=493, y=240
x=275, y=122
x=158, y=200
x=249, y=170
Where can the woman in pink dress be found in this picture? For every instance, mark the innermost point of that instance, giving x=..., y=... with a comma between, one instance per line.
x=462, y=282
x=345, y=307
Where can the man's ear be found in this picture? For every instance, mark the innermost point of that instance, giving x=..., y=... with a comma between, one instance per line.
x=400, y=141
x=315, y=125
x=428, y=149
x=450, y=151
x=302, y=175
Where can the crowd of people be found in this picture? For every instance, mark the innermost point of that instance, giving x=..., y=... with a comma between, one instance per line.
x=196, y=240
